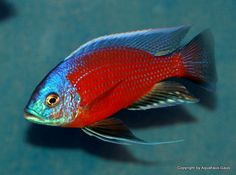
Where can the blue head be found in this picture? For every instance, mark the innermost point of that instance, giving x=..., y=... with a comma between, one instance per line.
x=54, y=101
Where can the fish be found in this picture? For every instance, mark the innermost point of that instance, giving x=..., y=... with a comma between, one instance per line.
x=132, y=70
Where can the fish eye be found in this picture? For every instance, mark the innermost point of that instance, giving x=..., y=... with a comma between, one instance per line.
x=52, y=100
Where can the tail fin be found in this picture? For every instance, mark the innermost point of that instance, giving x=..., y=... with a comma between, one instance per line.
x=198, y=60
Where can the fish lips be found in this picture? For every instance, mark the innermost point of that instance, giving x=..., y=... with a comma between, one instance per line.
x=32, y=116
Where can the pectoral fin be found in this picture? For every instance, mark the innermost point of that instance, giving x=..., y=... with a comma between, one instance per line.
x=115, y=131
x=100, y=97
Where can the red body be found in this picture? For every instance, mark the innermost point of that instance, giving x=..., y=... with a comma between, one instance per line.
x=108, y=80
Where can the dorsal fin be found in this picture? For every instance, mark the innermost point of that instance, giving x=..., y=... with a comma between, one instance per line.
x=163, y=94
x=154, y=41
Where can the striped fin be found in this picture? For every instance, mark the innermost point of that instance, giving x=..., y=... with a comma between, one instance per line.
x=115, y=131
x=164, y=94
x=198, y=60
x=154, y=41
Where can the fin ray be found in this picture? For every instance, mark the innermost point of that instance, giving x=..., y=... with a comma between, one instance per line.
x=114, y=131
x=198, y=59
x=155, y=41
x=164, y=94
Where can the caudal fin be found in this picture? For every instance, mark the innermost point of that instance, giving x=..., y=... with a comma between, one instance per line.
x=198, y=60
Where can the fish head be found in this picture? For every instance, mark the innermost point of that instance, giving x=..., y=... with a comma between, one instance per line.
x=54, y=102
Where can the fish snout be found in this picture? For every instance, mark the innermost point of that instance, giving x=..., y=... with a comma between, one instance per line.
x=32, y=116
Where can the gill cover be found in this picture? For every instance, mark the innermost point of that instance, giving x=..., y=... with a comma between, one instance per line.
x=65, y=108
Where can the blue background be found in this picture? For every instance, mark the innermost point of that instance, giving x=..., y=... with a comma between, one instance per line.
x=37, y=35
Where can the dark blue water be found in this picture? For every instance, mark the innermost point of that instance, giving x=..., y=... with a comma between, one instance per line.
x=37, y=35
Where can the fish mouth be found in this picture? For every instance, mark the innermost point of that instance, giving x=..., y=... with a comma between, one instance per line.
x=34, y=117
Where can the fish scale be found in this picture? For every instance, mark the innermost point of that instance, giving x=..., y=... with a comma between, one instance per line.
x=127, y=70
x=137, y=70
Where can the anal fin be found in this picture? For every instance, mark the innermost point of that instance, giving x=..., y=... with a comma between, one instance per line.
x=164, y=94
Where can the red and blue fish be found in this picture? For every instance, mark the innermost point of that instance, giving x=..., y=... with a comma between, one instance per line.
x=128, y=70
